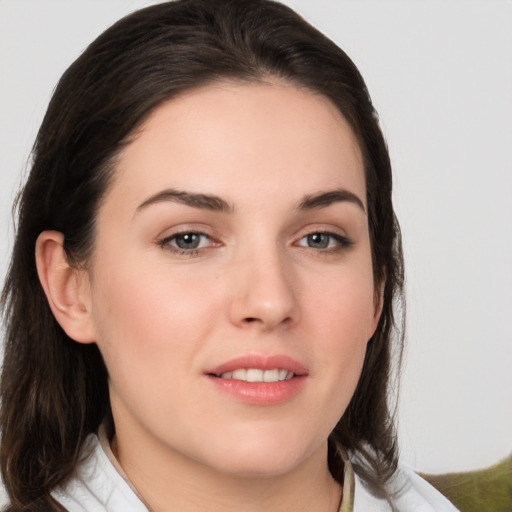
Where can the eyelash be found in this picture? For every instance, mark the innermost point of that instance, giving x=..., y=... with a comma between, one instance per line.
x=342, y=243
x=166, y=243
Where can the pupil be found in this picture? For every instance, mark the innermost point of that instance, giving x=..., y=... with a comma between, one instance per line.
x=187, y=241
x=318, y=240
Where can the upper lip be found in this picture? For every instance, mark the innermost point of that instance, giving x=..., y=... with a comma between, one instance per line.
x=261, y=362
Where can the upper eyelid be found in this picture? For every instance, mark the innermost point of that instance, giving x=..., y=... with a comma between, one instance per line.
x=173, y=231
x=214, y=234
x=331, y=230
x=322, y=228
x=332, y=234
x=187, y=232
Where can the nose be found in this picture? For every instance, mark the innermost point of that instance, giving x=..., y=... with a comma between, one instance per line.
x=263, y=294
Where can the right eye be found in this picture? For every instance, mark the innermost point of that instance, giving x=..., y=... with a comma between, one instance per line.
x=187, y=242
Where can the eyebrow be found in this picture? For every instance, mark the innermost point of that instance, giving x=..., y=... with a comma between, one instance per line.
x=202, y=201
x=217, y=204
x=324, y=199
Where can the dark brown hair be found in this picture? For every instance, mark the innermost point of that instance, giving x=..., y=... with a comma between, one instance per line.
x=54, y=391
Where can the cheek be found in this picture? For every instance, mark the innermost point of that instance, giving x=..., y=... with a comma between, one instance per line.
x=153, y=318
x=344, y=317
x=343, y=305
x=150, y=329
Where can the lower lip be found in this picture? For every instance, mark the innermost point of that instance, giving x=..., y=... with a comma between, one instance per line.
x=260, y=393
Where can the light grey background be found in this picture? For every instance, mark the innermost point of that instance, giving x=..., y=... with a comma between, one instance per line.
x=440, y=73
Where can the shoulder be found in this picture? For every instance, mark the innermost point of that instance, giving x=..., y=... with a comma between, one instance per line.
x=96, y=486
x=412, y=494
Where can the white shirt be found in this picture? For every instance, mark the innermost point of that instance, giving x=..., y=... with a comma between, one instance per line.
x=98, y=486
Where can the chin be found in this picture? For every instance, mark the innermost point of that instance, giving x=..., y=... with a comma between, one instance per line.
x=263, y=456
x=262, y=467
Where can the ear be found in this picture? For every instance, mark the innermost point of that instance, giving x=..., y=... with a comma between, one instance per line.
x=67, y=289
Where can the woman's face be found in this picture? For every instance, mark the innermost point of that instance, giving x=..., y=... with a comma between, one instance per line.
x=231, y=288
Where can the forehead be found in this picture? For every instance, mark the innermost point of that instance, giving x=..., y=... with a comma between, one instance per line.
x=237, y=139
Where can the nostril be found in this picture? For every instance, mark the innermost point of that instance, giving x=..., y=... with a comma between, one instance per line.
x=251, y=319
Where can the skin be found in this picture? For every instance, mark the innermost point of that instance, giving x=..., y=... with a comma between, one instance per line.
x=162, y=316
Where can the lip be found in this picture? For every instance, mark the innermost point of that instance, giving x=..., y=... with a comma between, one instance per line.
x=262, y=362
x=259, y=393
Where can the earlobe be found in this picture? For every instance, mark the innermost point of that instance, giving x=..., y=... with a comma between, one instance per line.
x=67, y=289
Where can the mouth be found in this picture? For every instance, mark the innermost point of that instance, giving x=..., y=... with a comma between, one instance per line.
x=259, y=368
x=258, y=379
x=257, y=375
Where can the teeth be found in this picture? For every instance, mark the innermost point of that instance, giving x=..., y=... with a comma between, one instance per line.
x=254, y=375
x=258, y=375
x=271, y=375
x=240, y=374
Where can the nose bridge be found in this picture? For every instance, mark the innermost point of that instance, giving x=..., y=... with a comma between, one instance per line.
x=264, y=287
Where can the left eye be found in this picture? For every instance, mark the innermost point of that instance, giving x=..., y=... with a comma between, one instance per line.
x=322, y=241
x=187, y=241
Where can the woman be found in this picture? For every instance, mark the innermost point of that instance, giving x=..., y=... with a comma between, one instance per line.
x=208, y=319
